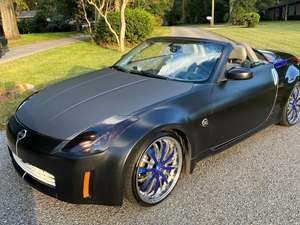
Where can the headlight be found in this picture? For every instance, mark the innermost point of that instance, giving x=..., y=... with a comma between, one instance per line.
x=99, y=138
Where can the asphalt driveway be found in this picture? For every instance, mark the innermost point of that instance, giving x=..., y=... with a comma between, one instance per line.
x=26, y=50
x=185, y=31
x=254, y=182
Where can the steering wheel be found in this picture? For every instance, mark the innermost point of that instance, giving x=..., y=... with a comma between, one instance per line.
x=203, y=68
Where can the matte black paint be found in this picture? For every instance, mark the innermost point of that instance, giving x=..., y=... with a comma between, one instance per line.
x=92, y=98
x=235, y=109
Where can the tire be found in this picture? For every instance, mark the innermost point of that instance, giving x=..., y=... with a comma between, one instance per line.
x=150, y=180
x=291, y=112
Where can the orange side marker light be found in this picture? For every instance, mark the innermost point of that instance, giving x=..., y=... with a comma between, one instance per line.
x=86, y=184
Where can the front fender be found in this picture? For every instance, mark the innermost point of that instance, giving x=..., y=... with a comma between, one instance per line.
x=127, y=144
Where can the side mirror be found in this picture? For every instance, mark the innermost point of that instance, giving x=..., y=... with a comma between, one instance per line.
x=239, y=74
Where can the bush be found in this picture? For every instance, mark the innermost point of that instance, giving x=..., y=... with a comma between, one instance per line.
x=139, y=25
x=39, y=23
x=58, y=24
x=25, y=26
x=252, y=19
x=237, y=16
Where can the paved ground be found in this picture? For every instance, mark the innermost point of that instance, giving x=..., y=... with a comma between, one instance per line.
x=254, y=182
x=195, y=32
x=21, y=51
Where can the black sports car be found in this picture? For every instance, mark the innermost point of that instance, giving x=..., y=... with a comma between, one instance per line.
x=134, y=128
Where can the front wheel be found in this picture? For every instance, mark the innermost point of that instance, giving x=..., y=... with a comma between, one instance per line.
x=156, y=171
x=291, y=113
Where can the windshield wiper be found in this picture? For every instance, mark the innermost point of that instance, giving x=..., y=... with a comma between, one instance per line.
x=144, y=73
x=120, y=68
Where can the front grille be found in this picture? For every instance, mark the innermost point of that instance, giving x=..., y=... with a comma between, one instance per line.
x=36, y=173
x=34, y=142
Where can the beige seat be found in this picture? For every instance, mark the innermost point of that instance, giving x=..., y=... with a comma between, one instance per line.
x=243, y=52
x=238, y=54
x=251, y=54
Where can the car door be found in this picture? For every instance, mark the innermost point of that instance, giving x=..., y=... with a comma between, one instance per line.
x=240, y=106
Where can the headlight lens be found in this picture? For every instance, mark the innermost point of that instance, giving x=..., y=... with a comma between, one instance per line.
x=99, y=138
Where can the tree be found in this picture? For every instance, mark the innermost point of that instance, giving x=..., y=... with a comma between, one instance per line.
x=26, y=4
x=183, y=11
x=123, y=24
x=9, y=20
x=239, y=9
x=262, y=5
x=117, y=5
x=286, y=9
x=103, y=7
x=212, y=22
x=21, y=5
x=161, y=9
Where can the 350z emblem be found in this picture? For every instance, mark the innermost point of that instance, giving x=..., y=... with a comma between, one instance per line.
x=20, y=136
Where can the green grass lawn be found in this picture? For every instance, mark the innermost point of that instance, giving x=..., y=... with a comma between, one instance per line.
x=283, y=36
x=47, y=67
x=27, y=39
x=44, y=68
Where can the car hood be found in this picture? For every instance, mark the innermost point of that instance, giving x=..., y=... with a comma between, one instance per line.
x=72, y=106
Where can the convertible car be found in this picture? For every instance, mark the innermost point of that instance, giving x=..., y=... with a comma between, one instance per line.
x=132, y=130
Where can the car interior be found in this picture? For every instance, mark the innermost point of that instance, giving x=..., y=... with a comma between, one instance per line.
x=244, y=56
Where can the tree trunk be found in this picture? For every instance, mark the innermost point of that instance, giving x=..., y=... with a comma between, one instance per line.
x=122, y=25
x=117, y=5
x=86, y=18
x=9, y=20
x=212, y=22
x=286, y=12
x=230, y=10
x=183, y=12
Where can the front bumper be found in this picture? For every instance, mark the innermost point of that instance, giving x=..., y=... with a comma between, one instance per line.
x=104, y=185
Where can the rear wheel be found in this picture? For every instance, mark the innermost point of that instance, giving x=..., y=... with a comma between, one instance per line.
x=155, y=171
x=291, y=113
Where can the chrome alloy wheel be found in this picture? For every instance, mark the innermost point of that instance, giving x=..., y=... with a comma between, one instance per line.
x=293, y=111
x=158, y=170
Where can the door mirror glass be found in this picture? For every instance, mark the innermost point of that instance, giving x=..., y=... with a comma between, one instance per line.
x=239, y=74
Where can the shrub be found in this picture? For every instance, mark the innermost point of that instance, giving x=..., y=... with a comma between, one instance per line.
x=25, y=26
x=139, y=25
x=58, y=24
x=39, y=23
x=252, y=19
x=237, y=16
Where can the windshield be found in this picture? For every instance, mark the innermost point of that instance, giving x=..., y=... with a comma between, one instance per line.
x=191, y=61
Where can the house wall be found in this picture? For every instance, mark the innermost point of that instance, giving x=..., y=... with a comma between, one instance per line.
x=278, y=13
